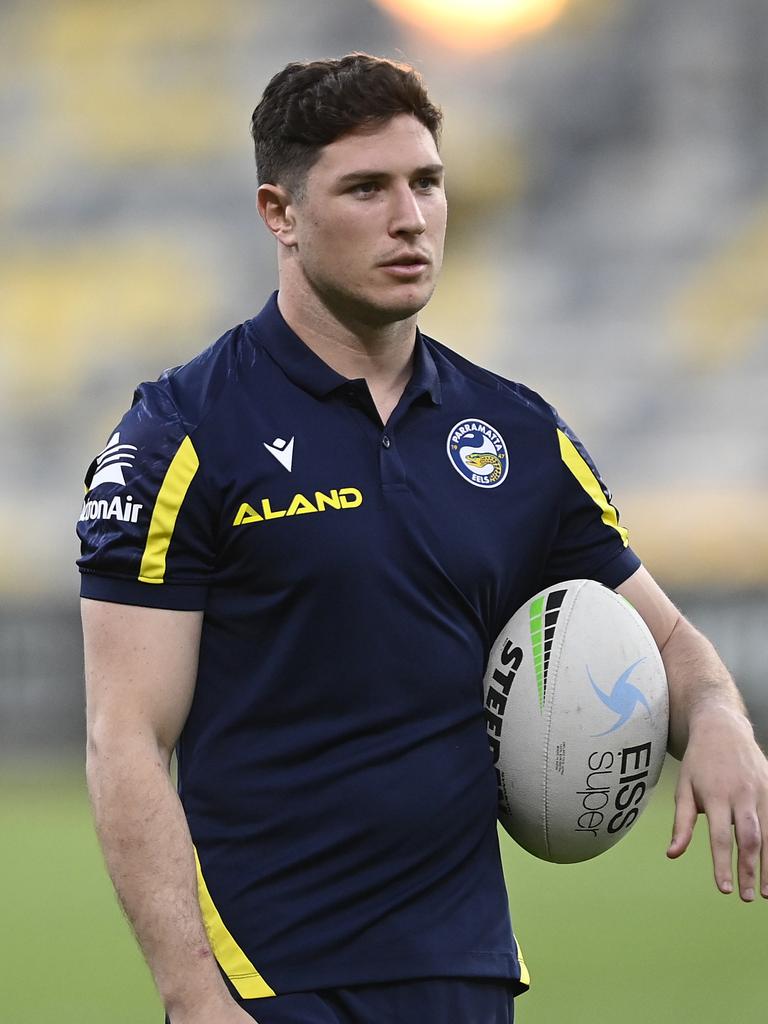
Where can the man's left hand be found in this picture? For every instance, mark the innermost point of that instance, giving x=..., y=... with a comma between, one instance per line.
x=724, y=775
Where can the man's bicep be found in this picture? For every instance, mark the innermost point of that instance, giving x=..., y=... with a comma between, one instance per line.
x=140, y=672
x=651, y=603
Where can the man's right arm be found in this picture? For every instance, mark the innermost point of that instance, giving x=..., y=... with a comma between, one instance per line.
x=140, y=669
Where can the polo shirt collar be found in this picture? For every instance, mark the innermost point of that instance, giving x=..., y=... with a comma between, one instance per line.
x=307, y=370
x=425, y=380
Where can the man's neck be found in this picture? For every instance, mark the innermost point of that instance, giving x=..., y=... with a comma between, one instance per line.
x=381, y=354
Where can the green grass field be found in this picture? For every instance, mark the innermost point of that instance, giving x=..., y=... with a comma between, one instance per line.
x=624, y=939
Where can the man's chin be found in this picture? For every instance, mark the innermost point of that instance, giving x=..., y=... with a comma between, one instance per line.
x=399, y=304
x=375, y=307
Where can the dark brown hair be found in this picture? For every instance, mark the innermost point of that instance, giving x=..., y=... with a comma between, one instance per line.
x=310, y=104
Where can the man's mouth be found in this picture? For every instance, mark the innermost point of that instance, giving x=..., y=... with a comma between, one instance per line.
x=406, y=264
x=406, y=260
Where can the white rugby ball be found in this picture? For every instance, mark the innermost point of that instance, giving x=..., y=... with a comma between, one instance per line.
x=577, y=713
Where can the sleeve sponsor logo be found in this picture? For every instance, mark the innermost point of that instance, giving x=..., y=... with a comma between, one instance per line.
x=109, y=464
x=125, y=511
x=107, y=468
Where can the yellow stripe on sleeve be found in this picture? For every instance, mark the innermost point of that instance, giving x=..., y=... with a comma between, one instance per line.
x=172, y=492
x=232, y=960
x=525, y=978
x=580, y=469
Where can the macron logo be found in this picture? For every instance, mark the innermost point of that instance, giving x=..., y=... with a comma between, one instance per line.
x=112, y=461
x=623, y=698
x=282, y=451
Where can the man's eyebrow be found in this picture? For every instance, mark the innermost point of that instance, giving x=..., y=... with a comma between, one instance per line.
x=378, y=175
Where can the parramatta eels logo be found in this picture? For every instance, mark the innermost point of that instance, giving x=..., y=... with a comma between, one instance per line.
x=623, y=698
x=477, y=451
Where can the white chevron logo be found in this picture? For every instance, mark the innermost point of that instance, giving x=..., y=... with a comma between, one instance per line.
x=111, y=462
x=282, y=451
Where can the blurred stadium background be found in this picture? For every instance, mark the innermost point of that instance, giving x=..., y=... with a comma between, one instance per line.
x=608, y=245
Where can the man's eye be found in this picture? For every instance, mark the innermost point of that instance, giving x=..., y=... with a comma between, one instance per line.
x=425, y=183
x=366, y=188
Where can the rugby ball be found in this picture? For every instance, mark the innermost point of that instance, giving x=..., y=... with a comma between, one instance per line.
x=577, y=714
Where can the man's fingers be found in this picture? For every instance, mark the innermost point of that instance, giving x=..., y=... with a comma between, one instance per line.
x=721, y=844
x=764, y=856
x=686, y=813
x=749, y=840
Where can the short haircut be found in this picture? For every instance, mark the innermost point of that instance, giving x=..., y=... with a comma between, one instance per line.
x=310, y=104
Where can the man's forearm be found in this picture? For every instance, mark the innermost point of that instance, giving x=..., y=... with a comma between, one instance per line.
x=699, y=682
x=149, y=855
x=723, y=774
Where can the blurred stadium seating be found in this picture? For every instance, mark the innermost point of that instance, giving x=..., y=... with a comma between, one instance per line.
x=607, y=245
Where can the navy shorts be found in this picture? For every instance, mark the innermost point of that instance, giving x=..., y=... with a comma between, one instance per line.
x=424, y=1001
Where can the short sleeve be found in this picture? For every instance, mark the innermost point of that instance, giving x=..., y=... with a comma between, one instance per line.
x=146, y=525
x=591, y=543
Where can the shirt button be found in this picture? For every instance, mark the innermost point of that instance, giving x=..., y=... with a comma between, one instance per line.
x=385, y=441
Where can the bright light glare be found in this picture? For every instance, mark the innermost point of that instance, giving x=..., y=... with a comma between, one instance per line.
x=477, y=24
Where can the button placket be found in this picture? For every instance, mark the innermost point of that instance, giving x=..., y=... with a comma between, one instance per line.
x=390, y=464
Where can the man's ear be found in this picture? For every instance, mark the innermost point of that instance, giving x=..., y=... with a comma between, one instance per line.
x=276, y=207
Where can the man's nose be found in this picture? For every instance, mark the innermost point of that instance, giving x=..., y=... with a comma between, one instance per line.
x=406, y=217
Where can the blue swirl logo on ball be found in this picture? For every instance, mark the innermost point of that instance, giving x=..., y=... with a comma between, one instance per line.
x=478, y=453
x=623, y=698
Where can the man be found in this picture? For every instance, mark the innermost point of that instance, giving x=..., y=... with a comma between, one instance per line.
x=291, y=577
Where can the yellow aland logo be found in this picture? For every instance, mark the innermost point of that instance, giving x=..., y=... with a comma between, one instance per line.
x=300, y=505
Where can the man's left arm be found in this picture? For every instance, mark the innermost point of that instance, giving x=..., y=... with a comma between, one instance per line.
x=723, y=774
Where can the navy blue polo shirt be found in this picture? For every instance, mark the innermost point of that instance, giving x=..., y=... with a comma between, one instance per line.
x=334, y=767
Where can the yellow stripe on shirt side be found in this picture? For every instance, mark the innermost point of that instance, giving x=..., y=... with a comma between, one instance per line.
x=172, y=492
x=525, y=978
x=232, y=960
x=580, y=469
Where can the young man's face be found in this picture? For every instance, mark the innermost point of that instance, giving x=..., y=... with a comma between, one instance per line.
x=370, y=224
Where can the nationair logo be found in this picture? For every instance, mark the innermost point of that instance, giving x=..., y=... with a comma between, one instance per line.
x=109, y=464
x=107, y=468
x=478, y=453
x=125, y=511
